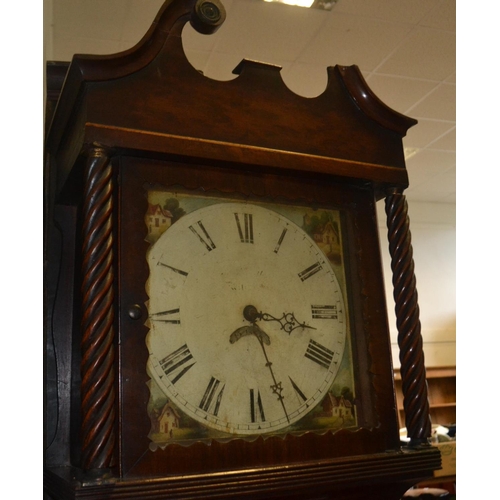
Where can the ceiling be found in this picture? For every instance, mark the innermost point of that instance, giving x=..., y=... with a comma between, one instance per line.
x=404, y=48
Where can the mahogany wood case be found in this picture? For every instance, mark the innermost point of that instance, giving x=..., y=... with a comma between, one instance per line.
x=145, y=119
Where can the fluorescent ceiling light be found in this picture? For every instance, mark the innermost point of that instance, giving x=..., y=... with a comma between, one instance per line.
x=313, y=4
x=410, y=152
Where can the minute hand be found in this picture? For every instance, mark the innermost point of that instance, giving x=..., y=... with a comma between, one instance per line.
x=277, y=387
x=288, y=321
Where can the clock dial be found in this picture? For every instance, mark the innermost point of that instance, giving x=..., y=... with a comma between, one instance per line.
x=246, y=318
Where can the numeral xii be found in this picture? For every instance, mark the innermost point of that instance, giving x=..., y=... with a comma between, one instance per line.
x=244, y=223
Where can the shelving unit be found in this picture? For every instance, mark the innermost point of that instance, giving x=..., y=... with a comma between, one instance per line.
x=442, y=395
x=441, y=384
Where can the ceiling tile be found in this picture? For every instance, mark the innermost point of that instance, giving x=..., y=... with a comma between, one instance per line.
x=426, y=164
x=347, y=39
x=440, y=104
x=399, y=93
x=447, y=180
x=138, y=18
x=421, y=194
x=425, y=132
x=426, y=53
x=220, y=67
x=65, y=47
x=421, y=213
x=192, y=40
x=254, y=31
x=198, y=59
x=452, y=78
x=450, y=198
x=442, y=17
x=439, y=187
x=227, y=3
x=447, y=142
x=308, y=80
x=90, y=19
x=405, y=11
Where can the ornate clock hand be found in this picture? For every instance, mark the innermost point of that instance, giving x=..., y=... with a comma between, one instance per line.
x=288, y=321
x=263, y=338
x=277, y=387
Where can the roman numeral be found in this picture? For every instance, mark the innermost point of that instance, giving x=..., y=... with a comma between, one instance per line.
x=256, y=408
x=299, y=393
x=280, y=241
x=319, y=354
x=310, y=271
x=172, y=312
x=246, y=230
x=209, y=244
x=210, y=395
x=174, y=269
x=324, y=312
x=175, y=363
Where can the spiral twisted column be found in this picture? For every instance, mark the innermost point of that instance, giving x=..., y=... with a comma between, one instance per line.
x=411, y=355
x=97, y=389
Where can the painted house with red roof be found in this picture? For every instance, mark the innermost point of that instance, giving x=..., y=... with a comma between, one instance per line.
x=336, y=407
x=158, y=221
x=168, y=419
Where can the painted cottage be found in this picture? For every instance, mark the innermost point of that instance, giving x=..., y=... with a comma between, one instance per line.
x=336, y=407
x=158, y=221
x=168, y=419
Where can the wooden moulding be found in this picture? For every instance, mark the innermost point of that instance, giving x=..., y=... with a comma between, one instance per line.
x=392, y=472
x=170, y=107
x=377, y=417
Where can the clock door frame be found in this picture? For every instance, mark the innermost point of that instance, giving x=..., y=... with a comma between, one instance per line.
x=378, y=429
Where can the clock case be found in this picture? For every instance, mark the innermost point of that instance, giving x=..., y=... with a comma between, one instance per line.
x=145, y=118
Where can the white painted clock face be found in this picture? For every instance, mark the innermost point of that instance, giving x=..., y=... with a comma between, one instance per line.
x=243, y=371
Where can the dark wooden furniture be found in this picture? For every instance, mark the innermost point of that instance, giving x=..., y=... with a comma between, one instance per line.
x=145, y=118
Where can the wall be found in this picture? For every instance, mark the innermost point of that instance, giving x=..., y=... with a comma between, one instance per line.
x=433, y=230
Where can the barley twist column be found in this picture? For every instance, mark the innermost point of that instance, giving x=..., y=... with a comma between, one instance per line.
x=411, y=354
x=98, y=393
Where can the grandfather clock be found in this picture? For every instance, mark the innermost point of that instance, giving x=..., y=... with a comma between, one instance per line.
x=216, y=323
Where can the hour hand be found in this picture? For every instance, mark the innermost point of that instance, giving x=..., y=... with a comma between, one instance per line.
x=250, y=330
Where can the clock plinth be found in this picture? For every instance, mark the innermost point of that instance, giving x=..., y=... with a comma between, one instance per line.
x=377, y=477
x=220, y=320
